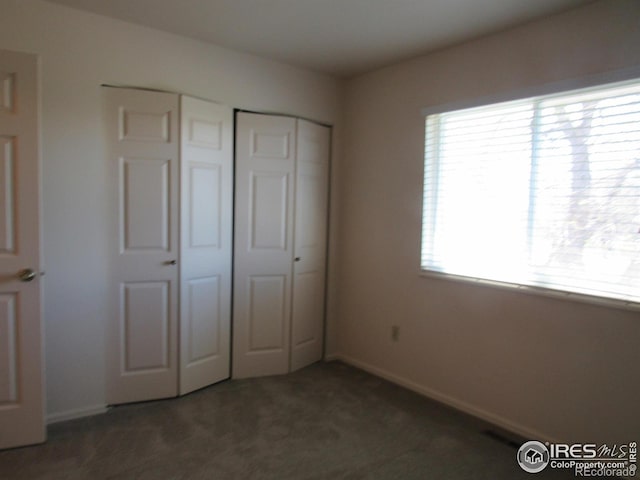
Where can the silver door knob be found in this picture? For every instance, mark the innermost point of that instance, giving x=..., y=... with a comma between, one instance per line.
x=170, y=262
x=26, y=275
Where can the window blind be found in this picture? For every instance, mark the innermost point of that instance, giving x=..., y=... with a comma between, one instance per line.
x=539, y=192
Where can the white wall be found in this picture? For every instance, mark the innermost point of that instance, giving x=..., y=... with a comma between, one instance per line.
x=543, y=367
x=79, y=52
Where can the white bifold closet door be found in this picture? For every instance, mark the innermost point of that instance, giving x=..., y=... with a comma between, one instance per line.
x=142, y=338
x=310, y=244
x=171, y=247
x=205, y=243
x=280, y=243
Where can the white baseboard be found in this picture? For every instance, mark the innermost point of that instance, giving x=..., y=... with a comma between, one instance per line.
x=76, y=413
x=499, y=421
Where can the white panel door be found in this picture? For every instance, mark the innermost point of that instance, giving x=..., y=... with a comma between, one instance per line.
x=142, y=362
x=310, y=238
x=206, y=243
x=21, y=379
x=265, y=175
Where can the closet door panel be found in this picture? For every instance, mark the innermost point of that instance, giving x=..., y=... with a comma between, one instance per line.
x=143, y=331
x=203, y=320
x=144, y=199
x=206, y=243
x=267, y=310
x=145, y=325
x=312, y=174
x=204, y=222
x=265, y=175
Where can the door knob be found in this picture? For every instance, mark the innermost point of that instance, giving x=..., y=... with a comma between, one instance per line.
x=297, y=259
x=170, y=262
x=26, y=275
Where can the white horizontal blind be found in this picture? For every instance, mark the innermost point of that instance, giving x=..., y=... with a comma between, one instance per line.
x=540, y=192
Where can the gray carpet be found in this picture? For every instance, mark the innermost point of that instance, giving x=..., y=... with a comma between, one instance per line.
x=328, y=421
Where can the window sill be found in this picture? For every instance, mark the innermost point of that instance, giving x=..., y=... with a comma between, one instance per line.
x=540, y=291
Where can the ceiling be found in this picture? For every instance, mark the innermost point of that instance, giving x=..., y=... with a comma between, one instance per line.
x=337, y=37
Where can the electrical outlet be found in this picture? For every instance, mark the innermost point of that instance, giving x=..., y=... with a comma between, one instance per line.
x=395, y=333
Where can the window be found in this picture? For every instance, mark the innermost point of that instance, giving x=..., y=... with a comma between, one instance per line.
x=541, y=192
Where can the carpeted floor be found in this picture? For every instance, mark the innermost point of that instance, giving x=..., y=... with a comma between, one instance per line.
x=328, y=421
